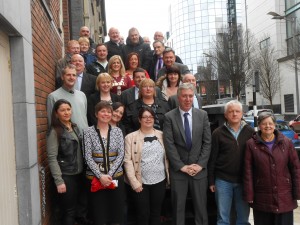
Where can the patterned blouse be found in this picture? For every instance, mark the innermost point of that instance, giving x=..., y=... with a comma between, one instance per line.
x=98, y=160
x=152, y=161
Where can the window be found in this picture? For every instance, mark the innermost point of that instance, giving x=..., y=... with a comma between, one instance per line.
x=289, y=103
x=265, y=43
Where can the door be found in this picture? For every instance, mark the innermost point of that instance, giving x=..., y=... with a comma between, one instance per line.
x=8, y=190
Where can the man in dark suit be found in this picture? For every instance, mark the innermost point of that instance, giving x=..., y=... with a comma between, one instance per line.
x=187, y=141
x=169, y=58
x=130, y=95
x=197, y=101
x=85, y=82
x=157, y=59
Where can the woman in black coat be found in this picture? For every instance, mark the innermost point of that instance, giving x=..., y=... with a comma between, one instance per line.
x=103, y=85
x=147, y=97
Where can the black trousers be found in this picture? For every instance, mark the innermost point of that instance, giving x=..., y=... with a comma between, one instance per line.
x=74, y=199
x=148, y=203
x=267, y=218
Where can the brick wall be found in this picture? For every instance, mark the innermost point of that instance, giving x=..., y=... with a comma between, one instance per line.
x=47, y=49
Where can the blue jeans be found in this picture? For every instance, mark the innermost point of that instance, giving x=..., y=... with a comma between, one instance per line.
x=227, y=192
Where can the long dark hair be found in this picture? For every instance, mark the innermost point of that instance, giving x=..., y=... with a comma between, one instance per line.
x=173, y=69
x=55, y=122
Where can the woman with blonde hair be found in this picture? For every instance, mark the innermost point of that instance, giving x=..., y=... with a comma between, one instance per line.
x=88, y=56
x=116, y=70
x=147, y=97
x=103, y=85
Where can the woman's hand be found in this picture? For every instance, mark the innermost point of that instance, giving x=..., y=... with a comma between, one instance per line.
x=105, y=180
x=139, y=189
x=61, y=188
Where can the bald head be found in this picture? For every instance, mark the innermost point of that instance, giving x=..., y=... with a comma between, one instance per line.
x=84, y=32
x=189, y=78
x=114, y=34
x=78, y=61
x=158, y=36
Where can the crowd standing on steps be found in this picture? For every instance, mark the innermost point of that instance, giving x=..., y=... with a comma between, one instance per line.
x=127, y=131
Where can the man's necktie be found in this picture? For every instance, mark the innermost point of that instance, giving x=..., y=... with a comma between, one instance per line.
x=159, y=66
x=159, y=63
x=187, y=132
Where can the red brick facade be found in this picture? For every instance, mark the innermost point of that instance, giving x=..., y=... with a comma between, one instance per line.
x=47, y=49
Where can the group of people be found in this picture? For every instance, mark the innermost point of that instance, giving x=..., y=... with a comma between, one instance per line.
x=120, y=131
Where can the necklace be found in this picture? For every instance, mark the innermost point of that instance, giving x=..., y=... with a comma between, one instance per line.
x=268, y=139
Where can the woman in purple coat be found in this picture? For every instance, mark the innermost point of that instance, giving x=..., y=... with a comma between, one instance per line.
x=272, y=174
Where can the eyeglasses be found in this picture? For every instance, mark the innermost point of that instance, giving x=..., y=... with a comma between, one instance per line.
x=147, y=117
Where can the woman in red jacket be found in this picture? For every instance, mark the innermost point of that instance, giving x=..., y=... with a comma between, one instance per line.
x=272, y=174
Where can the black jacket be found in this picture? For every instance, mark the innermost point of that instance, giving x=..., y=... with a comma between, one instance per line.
x=95, y=68
x=131, y=118
x=92, y=101
x=227, y=154
x=153, y=63
x=113, y=49
x=142, y=49
x=67, y=151
x=88, y=84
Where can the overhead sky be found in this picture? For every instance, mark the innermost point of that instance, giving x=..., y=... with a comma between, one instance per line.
x=147, y=16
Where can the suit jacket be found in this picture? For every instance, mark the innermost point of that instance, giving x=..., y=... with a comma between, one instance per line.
x=173, y=101
x=183, y=70
x=92, y=100
x=88, y=84
x=128, y=96
x=154, y=62
x=175, y=143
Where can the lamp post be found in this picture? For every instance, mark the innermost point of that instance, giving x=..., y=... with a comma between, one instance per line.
x=276, y=16
x=218, y=82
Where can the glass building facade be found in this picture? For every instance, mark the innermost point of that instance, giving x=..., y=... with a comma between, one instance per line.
x=194, y=25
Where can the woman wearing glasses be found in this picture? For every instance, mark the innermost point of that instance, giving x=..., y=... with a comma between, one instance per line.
x=147, y=97
x=146, y=168
x=272, y=174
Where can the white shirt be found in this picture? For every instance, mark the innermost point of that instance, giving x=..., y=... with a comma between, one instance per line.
x=78, y=82
x=195, y=102
x=189, y=118
x=104, y=64
x=136, y=93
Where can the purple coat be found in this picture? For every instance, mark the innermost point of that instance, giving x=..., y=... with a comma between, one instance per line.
x=271, y=179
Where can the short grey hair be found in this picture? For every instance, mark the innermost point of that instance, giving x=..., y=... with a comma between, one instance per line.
x=231, y=103
x=157, y=41
x=185, y=86
x=265, y=115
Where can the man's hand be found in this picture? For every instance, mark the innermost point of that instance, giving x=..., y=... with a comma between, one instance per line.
x=212, y=188
x=192, y=169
